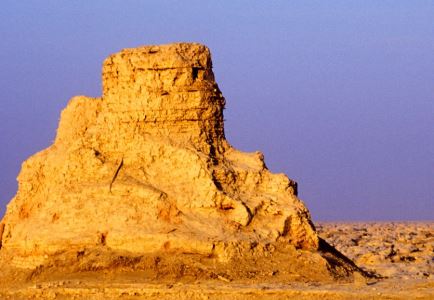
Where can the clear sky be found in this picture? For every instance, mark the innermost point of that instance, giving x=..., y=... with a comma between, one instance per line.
x=339, y=95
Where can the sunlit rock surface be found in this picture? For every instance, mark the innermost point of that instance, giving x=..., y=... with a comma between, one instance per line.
x=144, y=179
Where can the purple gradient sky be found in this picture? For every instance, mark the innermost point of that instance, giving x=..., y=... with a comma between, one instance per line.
x=339, y=95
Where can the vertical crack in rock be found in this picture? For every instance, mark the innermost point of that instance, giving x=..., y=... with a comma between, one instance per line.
x=2, y=228
x=115, y=175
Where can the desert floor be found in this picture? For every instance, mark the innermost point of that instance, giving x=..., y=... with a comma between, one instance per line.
x=399, y=253
x=400, y=250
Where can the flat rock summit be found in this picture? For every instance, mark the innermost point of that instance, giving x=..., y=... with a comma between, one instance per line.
x=143, y=181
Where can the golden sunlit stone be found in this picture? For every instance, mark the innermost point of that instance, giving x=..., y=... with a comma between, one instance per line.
x=143, y=179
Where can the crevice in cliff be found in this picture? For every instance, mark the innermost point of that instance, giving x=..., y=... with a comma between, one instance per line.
x=194, y=73
x=116, y=173
x=2, y=228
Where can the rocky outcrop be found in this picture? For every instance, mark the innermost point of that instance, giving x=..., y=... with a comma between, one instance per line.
x=146, y=169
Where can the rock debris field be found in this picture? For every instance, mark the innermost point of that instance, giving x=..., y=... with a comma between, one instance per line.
x=392, y=249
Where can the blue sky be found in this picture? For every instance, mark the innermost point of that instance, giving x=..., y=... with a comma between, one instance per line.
x=339, y=95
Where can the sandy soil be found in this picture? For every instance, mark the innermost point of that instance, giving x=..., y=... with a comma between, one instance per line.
x=399, y=253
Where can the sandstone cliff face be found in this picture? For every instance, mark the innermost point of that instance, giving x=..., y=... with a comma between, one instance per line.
x=146, y=168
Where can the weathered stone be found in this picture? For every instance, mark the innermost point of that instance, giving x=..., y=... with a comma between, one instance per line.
x=146, y=168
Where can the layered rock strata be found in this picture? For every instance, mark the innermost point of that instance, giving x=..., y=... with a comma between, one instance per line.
x=146, y=169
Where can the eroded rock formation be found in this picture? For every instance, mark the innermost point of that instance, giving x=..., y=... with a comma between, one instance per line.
x=146, y=169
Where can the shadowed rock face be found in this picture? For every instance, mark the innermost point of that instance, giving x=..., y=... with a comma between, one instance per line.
x=146, y=169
